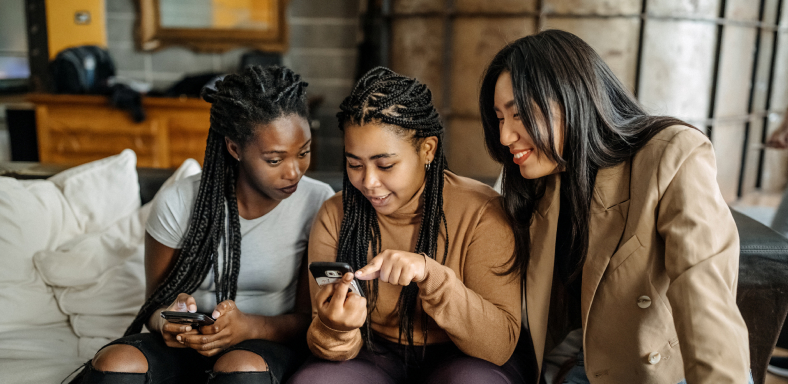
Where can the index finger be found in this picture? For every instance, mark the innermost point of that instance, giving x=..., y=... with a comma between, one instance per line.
x=372, y=270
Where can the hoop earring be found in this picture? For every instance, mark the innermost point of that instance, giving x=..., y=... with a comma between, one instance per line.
x=428, y=166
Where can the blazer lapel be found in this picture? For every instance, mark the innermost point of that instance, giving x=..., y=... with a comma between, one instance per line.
x=539, y=280
x=609, y=209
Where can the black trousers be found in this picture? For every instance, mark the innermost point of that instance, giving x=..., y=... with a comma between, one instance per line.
x=185, y=365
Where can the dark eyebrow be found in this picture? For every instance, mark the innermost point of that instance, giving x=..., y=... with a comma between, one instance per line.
x=506, y=106
x=285, y=152
x=380, y=156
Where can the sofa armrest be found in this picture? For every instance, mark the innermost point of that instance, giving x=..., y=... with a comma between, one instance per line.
x=762, y=294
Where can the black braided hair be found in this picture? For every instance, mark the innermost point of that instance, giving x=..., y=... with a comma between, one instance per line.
x=240, y=104
x=383, y=96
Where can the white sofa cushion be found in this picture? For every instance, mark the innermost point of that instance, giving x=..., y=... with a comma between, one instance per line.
x=99, y=277
x=42, y=215
x=101, y=192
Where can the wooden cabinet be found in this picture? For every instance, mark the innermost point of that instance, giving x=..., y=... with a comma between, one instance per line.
x=76, y=129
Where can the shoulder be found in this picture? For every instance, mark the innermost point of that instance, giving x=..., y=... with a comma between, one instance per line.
x=465, y=196
x=315, y=189
x=673, y=141
x=673, y=149
x=181, y=192
x=467, y=191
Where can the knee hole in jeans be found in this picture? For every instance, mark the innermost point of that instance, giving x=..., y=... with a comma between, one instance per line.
x=120, y=358
x=240, y=361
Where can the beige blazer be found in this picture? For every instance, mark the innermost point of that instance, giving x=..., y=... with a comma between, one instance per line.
x=658, y=296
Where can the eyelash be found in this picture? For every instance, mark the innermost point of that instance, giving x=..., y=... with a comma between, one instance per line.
x=300, y=156
x=386, y=168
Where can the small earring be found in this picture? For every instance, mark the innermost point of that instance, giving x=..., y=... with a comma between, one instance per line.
x=428, y=166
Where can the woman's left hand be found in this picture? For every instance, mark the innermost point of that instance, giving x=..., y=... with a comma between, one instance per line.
x=231, y=327
x=395, y=267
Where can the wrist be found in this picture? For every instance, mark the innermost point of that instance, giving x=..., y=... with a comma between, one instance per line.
x=424, y=270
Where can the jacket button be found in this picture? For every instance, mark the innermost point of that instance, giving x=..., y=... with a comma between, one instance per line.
x=644, y=301
x=654, y=358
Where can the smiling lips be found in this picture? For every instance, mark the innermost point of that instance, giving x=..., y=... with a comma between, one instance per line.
x=379, y=201
x=520, y=155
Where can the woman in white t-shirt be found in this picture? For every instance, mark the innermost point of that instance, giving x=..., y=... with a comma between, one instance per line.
x=250, y=200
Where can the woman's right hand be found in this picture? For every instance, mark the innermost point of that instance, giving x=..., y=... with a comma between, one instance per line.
x=170, y=331
x=340, y=309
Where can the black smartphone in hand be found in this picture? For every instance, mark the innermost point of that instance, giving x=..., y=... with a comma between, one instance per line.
x=326, y=272
x=188, y=318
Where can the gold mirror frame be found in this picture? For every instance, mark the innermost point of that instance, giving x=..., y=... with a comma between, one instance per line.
x=151, y=36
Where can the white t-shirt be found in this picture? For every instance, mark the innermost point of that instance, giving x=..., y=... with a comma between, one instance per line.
x=272, y=246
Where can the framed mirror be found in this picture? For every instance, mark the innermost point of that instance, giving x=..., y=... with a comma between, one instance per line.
x=211, y=25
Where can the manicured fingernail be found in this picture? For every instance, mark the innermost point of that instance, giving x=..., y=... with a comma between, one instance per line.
x=215, y=314
x=359, y=273
x=178, y=337
x=188, y=328
x=181, y=306
x=192, y=308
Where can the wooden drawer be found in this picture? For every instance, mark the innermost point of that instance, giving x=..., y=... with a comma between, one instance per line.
x=78, y=129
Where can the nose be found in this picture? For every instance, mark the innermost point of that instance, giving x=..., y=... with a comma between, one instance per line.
x=507, y=132
x=293, y=171
x=371, y=180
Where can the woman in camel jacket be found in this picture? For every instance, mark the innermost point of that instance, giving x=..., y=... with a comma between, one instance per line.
x=623, y=238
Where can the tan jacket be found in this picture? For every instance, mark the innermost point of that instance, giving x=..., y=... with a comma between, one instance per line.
x=658, y=296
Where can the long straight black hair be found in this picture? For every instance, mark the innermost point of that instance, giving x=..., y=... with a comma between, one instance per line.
x=405, y=104
x=603, y=126
x=240, y=104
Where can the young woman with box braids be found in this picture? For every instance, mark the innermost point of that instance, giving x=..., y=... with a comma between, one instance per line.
x=430, y=247
x=251, y=200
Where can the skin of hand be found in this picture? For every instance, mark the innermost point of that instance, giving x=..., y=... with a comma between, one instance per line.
x=339, y=309
x=231, y=327
x=395, y=267
x=171, y=331
x=779, y=138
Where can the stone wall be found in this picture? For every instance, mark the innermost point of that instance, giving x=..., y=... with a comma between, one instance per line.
x=685, y=58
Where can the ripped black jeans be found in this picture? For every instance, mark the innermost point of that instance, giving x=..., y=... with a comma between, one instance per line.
x=185, y=365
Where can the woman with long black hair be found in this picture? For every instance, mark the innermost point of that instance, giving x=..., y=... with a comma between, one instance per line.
x=623, y=240
x=431, y=247
x=251, y=199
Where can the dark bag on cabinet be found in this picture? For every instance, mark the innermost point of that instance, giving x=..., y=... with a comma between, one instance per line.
x=82, y=70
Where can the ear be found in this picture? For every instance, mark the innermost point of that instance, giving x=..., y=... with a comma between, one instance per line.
x=233, y=148
x=428, y=148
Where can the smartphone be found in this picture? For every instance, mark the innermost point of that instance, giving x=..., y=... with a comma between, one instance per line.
x=331, y=272
x=188, y=318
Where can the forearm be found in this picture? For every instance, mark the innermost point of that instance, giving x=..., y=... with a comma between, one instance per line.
x=479, y=327
x=280, y=329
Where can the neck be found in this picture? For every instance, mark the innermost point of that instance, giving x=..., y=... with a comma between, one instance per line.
x=252, y=203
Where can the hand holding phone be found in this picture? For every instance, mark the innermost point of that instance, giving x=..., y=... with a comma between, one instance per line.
x=170, y=331
x=339, y=308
